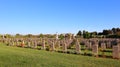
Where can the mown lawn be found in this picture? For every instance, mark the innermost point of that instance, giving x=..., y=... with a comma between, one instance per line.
x=26, y=57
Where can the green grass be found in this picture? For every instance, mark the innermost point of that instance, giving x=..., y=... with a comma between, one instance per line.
x=25, y=57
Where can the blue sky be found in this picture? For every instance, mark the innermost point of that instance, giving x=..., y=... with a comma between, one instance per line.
x=62, y=16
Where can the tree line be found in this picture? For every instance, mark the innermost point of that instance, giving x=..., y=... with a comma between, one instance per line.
x=106, y=33
x=60, y=36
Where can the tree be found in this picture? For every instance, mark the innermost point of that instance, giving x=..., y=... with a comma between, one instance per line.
x=18, y=35
x=29, y=35
x=79, y=33
x=93, y=34
x=40, y=36
x=107, y=32
x=113, y=30
x=100, y=33
x=8, y=36
x=61, y=36
x=86, y=34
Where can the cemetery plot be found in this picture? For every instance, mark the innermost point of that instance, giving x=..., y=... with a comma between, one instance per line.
x=89, y=47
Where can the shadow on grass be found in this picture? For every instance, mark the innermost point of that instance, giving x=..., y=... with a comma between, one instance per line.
x=86, y=54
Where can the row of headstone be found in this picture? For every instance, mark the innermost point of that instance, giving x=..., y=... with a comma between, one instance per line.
x=90, y=44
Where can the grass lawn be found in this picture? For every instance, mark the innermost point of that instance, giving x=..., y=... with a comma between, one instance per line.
x=25, y=57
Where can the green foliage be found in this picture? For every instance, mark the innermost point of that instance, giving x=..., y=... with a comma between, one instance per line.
x=111, y=33
x=107, y=32
x=61, y=36
x=86, y=34
x=40, y=36
x=79, y=33
x=8, y=36
x=29, y=35
x=18, y=35
x=113, y=36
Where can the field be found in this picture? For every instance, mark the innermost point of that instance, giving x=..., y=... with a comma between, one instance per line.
x=26, y=57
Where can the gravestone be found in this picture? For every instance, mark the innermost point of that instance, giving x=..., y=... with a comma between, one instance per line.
x=103, y=46
x=116, y=53
x=9, y=43
x=108, y=44
x=35, y=44
x=43, y=45
x=23, y=44
x=64, y=47
x=95, y=50
x=29, y=44
x=90, y=45
x=58, y=43
x=17, y=43
x=56, y=36
x=52, y=46
x=32, y=44
x=78, y=50
x=13, y=43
